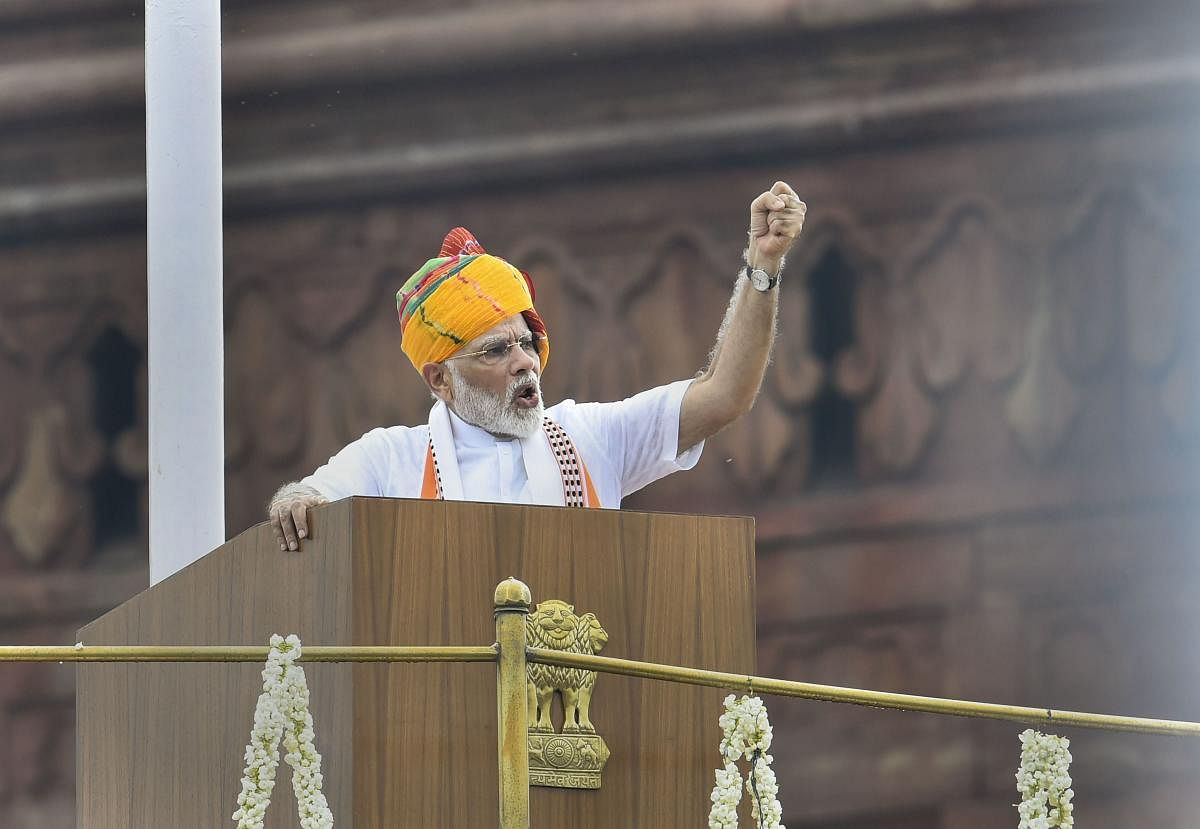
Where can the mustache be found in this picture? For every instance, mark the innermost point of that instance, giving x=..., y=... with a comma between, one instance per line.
x=525, y=378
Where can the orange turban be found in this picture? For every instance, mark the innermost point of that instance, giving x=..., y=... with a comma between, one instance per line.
x=460, y=295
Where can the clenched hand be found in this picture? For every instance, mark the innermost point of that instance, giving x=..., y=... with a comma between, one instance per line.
x=776, y=219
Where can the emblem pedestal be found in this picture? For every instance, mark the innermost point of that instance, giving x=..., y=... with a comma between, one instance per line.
x=566, y=761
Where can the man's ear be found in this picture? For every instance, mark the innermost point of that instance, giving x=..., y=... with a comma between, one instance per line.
x=437, y=378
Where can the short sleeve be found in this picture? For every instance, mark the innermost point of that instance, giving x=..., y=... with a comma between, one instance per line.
x=352, y=471
x=640, y=434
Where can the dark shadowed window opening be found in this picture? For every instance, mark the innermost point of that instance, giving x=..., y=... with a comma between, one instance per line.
x=831, y=286
x=115, y=362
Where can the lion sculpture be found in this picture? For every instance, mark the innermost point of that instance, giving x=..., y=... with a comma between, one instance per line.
x=555, y=626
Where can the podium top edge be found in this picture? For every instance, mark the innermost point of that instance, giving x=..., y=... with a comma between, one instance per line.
x=508, y=505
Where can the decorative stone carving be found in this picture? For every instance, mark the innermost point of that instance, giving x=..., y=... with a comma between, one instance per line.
x=896, y=419
x=1044, y=402
x=975, y=287
x=45, y=511
x=1085, y=270
x=1161, y=298
x=32, y=512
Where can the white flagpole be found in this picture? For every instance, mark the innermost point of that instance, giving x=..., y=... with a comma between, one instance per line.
x=184, y=291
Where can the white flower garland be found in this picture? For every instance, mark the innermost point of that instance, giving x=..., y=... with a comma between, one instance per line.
x=282, y=713
x=1044, y=782
x=746, y=734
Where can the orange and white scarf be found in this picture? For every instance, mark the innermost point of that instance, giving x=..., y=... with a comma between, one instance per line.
x=556, y=471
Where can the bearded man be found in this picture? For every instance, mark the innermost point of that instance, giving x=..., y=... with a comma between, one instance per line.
x=470, y=329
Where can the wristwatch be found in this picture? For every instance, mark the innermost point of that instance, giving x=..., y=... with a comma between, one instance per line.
x=760, y=279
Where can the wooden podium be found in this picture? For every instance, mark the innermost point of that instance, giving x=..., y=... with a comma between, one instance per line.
x=414, y=745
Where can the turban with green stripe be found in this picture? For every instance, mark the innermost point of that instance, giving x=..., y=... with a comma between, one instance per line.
x=461, y=294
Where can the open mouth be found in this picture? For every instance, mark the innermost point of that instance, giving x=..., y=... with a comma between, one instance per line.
x=526, y=395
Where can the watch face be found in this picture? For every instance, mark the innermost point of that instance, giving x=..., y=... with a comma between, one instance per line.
x=760, y=280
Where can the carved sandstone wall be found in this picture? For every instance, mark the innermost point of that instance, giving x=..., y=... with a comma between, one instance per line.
x=973, y=462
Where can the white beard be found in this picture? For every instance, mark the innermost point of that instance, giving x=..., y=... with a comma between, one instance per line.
x=499, y=416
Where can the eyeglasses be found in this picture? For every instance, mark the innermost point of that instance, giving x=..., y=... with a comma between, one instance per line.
x=498, y=352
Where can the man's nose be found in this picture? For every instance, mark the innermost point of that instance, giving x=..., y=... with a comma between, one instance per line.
x=524, y=361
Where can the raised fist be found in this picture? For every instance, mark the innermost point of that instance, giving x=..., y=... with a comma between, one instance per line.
x=776, y=218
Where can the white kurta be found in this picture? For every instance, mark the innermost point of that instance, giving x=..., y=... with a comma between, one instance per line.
x=625, y=445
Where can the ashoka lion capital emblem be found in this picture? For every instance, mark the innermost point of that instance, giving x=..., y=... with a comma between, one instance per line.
x=575, y=758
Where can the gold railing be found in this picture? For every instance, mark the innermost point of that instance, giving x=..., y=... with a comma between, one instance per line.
x=511, y=656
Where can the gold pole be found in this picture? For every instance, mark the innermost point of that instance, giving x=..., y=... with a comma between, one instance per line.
x=854, y=696
x=513, y=601
x=248, y=653
x=626, y=667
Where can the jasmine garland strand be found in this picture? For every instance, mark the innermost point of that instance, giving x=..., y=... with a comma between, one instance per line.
x=282, y=713
x=1044, y=782
x=746, y=734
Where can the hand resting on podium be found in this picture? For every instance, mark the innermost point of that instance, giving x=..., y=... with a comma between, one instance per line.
x=288, y=513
